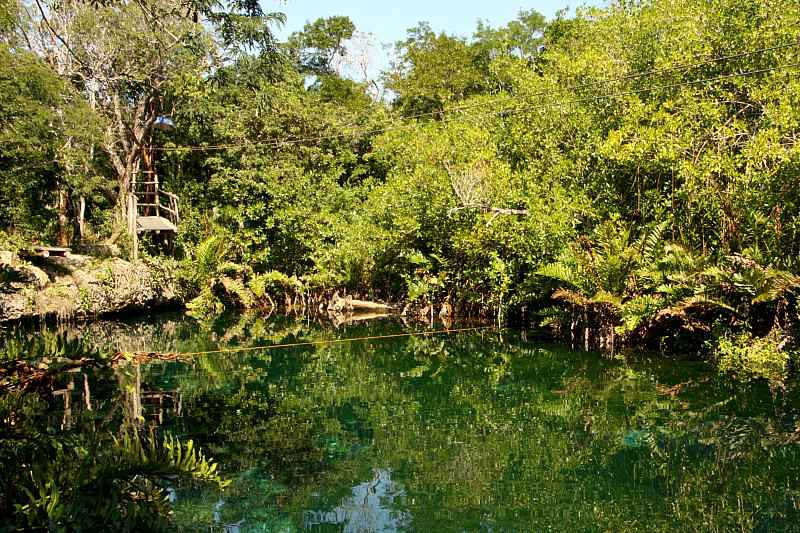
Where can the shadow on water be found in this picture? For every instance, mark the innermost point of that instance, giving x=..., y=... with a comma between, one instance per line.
x=464, y=432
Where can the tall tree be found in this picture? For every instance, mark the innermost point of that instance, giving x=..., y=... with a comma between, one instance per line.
x=46, y=131
x=7, y=15
x=122, y=56
x=319, y=48
x=433, y=70
x=522, y=37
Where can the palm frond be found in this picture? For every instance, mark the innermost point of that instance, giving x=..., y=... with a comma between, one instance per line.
x=700, y=301
x=779, y=284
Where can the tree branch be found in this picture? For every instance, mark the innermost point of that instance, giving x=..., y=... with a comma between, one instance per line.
x=57, y=36
x=489, y=209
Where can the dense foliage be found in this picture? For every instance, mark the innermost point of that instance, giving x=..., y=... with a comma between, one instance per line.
x=624, y=176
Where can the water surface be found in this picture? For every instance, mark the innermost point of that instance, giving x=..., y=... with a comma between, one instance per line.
x=481, y=431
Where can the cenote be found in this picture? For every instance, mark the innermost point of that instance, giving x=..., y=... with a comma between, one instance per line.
x=471, y=431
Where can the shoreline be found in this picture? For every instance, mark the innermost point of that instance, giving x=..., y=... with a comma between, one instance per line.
x=81, y=287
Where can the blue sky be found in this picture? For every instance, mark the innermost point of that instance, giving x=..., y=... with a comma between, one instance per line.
x=388, y=21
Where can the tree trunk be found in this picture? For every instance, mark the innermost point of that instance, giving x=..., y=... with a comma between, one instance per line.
x=63, y=216
x=585, y=332
x=125, y=144
x=80, y=219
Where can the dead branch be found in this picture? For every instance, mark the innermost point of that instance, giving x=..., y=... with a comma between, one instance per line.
x=496, y=211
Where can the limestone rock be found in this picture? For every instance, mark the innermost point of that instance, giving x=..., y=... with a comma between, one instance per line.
x=81, y=286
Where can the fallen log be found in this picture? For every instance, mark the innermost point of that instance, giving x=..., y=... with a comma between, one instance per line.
x=371, y=306
x=338, y=304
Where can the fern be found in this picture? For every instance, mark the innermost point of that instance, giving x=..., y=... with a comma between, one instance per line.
x=778, y=284
x=164, y=458
x=553, y=317
x=258, y=286
x=604, y=297
x=189, y=461
x=559, y=272
x=45, y=503
x=208, y=256
x=651, y=244
x=637, y=311
x=700, y=300
x=274, y=281
x=206, y=304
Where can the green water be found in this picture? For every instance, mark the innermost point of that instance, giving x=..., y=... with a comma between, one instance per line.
x=466, y=432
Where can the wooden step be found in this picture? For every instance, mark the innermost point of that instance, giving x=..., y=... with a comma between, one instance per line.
x=154, y=224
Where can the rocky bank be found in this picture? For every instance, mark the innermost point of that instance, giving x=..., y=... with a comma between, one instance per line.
x=80, y=286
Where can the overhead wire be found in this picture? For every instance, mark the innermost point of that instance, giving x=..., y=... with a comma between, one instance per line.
x=454, y=110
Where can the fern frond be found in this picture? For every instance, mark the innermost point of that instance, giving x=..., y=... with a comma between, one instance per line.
x=572, y=297
x=697, y=301
x=650, y=245
x=559, y=272
x=638, y=310
x=779, y=284
x=208, y=256
x=605, y=297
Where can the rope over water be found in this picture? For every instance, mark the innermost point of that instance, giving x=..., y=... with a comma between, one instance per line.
x=141, y=356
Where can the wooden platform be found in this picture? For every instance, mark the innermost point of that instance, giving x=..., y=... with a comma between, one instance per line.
x=154, y=224
x=152, y=211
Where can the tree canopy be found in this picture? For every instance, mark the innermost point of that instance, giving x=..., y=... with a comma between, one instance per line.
x=321, y=43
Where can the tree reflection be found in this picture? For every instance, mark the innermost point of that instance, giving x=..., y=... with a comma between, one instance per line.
x=464, y=432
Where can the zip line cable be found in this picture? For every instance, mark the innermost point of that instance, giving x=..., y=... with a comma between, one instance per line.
x=175, y=355
x=507, y=110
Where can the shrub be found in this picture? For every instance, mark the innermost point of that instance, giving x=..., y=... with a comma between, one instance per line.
x=748, y=358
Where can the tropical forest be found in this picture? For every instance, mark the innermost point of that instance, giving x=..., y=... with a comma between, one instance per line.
x=269, y=274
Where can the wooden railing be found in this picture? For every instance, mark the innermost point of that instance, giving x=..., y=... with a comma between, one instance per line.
x=165, y=204
x=149, y=203
x=171, y=207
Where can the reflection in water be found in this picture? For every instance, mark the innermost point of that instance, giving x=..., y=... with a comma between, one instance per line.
x=72, y=396
x=467, y=432
x=369, y=509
